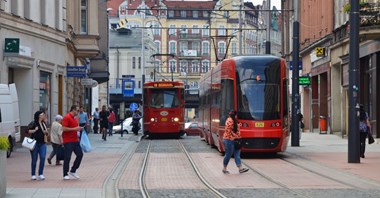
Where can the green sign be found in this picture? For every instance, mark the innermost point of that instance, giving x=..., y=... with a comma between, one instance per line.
x=304, y=80
x=12, y=45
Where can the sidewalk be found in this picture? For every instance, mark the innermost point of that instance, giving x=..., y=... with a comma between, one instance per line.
x=96, y=166
x=331, y=151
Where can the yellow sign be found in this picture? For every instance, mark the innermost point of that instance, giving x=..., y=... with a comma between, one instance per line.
x=320, y=51
x=163, y=85
x=259, y=124
x=164, y=119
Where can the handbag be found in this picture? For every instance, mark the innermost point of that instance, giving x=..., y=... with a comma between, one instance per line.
x=238, y=143
x=29, y=143
x=85, y=142
x=371, y=140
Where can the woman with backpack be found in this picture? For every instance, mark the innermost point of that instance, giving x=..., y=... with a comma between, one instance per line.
x=365, y=128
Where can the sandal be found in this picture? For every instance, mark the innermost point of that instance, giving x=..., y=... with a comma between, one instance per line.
x=226, y=171
x=243, y=170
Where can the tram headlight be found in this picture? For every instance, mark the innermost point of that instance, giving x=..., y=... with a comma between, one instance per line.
x=176, y=119
x=152, y=119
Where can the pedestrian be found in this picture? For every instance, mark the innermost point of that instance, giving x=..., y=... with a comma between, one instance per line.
x=56, y=138
x=70, y=128
x=95, y=116
x=83, y=119
x=364, y=128
x=38, y=131
x=111, y=121
x=231, y=134
x=103, y=116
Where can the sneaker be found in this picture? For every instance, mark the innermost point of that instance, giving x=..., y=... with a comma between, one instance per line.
x=42, y=177
x=74, y=175
x=66, y=177
x=243, y=170
x=34, y=177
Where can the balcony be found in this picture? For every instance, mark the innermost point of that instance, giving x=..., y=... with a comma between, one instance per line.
x=84, y=45
x=190, y=54
x=185, y=36
x=370, y=15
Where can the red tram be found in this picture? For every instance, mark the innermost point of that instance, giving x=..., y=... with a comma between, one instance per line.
x=164, y=108
x=255, y=87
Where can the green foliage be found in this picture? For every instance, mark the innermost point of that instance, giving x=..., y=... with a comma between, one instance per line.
x=4, y=143
x=362, y=4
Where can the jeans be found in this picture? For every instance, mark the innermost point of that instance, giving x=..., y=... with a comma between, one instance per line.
x=96, y=125
x=39, y=149
x=110, y=127
x=55, y=148
x=71, y=147
x=229, y=148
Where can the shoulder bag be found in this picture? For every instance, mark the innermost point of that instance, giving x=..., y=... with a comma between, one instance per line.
x=29, y=143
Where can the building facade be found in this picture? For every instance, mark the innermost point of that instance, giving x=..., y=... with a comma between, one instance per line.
x=51, y=36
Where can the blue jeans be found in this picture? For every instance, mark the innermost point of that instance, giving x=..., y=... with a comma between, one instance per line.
x=110, y=127
x=229, y=148
x=71, y=147
x=39, y=149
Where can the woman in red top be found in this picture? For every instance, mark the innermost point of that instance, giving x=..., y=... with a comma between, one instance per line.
x=111, y=121
x=230, y=134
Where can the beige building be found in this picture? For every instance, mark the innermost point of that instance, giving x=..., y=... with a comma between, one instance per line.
x=51, y=36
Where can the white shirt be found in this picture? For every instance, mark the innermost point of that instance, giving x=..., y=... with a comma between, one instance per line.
x=56, y=132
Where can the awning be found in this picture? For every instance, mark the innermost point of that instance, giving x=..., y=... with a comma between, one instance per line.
x=99, y=76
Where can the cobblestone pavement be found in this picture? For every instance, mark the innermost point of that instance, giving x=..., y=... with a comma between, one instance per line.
x=318, y=168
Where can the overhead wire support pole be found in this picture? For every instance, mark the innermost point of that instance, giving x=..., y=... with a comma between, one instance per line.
x=295, y=137
x=353, y=91
x=241, y=27
x=267, y=43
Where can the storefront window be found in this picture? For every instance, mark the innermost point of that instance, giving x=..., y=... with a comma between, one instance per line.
x=45, y=95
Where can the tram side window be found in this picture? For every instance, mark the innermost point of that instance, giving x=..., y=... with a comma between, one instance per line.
x=146, y=97
x=227, y=103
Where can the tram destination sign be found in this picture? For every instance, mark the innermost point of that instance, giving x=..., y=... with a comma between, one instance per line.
x=304, y=80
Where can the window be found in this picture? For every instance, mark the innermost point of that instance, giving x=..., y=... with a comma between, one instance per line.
x=134, y=63
x=172, y=30
x=171, y=13
x=205, y=14
x=139, y=84
x=83, y=14
x=172, y=66
x=195, y=46
x=164, y=99
x=226, y=14
x=183, y=47
x=205, y=30
x=183, y=13
x=233, y=46
x=183, y=29
x=205, y=66
x=183, y=66
x=195, y=29
x=158, y=45
x=205, y=48
x=221, y=31
x=156, y=29
x=172, y=47
x=221, y=47
x=139, y=62
x=195, y=67
x=195, y=14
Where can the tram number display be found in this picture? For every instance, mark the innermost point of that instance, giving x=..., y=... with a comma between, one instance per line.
x=259, y=124
x=164, y=119
x=163, y=85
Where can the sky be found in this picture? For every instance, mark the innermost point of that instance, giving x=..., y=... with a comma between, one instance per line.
x=276, y=3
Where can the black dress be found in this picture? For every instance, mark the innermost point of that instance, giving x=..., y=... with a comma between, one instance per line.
x=103, y=116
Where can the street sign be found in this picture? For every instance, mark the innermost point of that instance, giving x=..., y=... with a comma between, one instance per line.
x=291, y=65
x=89, y=82
x=128, y=87
x=133, y=106
x=12, y=45
x=76, y=71
x=304, y=80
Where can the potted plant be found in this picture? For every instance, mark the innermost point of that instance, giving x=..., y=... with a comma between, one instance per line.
x=4, y=145
x=362, y=6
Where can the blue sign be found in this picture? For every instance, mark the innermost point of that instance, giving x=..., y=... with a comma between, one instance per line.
x=76, y=71
x=128, y=87
x=299, y=65
x=133, y=106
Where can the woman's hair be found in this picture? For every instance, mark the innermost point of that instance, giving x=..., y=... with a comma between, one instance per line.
x=232, y=115
x=37, y=116
x=362, y=115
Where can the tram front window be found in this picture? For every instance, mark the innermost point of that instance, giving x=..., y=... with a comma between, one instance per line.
x=164, y=98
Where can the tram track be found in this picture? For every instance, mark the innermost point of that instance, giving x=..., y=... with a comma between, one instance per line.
x=142, y=184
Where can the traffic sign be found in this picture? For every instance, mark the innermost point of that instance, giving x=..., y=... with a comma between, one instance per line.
x=133, y=106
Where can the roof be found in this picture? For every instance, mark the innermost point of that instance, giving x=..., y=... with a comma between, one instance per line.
x=190, y=4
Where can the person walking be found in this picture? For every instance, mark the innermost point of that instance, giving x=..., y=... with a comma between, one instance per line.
x=95, y=116
x=364, y=128
x=70, y=127
x=38, y=131
x=111, y=121
x=231, y=134
x=103, y=115
x=56, y=138
x=83, y=119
